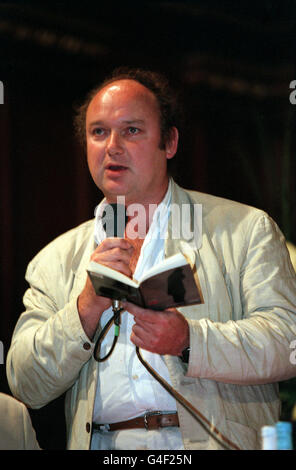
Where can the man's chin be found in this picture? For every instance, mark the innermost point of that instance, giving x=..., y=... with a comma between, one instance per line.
x=114, y=189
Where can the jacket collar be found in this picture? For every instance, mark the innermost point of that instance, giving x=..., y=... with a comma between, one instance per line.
x=185, y=223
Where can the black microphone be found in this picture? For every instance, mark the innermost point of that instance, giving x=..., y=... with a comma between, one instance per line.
x=114, y=220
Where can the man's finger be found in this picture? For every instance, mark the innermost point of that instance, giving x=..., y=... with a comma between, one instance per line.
x=141, y=313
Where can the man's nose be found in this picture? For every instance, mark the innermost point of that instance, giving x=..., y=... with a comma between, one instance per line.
x=114, y=144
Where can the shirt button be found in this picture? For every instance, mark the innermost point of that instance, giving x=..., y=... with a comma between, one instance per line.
x=87, y=427
x=86, y=346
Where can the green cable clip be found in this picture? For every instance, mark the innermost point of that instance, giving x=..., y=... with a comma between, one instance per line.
x=116, y=330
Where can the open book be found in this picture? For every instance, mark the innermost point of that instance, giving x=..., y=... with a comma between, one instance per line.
x=171, y=283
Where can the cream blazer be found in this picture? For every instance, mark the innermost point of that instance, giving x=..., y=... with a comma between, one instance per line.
x=16, y=430
x=240, y=336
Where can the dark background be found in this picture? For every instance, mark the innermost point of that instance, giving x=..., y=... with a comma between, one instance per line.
x=233, y=62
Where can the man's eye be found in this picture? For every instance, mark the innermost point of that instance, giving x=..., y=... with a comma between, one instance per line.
x=98, y=131
x=133, y=130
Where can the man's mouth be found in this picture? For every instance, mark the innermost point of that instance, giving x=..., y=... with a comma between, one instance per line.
x=113, y=167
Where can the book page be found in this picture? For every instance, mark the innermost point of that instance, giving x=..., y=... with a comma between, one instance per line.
x=103, y=270
x=168, y=263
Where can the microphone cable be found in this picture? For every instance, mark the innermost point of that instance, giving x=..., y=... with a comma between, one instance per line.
x=212, y=431
x=116, y=319
x=226, y=443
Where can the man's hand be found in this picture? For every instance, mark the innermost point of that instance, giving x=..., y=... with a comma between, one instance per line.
x=116, y=254
x=165, y=332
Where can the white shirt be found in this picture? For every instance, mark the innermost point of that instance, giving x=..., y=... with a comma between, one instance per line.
x=125, y=388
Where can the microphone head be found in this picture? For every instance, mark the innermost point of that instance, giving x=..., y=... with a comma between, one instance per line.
x=114, y=220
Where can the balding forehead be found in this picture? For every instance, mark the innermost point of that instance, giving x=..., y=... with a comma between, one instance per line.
x=120, y=92
x=126, y=82
x=123, y=101
x=127, y=87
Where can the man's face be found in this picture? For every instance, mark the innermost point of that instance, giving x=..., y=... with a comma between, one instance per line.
x=123, y=138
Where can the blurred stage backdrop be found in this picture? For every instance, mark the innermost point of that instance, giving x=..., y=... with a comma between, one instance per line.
x=234, y=62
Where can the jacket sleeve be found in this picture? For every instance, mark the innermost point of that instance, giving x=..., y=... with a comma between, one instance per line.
x=255, y=349
x=48, y=349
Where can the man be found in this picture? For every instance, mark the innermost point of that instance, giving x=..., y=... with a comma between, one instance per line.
x=16, y=430
x=224, y=356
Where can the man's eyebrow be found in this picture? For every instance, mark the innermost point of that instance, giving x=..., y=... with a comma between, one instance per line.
x=134, y=121
x=127, y=121
x=95, y=123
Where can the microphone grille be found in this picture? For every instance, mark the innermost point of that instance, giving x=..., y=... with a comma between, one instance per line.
x=114, y=220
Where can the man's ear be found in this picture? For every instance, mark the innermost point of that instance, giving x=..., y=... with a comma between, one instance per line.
x=172, y=143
